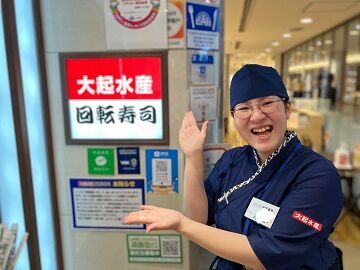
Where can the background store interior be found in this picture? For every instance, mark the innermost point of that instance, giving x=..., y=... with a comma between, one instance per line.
x=319, y=44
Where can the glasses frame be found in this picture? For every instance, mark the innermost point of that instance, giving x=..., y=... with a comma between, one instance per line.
x=257, y=105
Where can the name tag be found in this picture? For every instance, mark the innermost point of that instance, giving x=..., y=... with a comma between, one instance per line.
x=262, y=212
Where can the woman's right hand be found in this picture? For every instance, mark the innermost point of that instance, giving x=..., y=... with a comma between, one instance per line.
x=191, y=138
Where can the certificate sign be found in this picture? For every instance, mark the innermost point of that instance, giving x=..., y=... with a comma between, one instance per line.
x=204, y=103
x=202, y=26
x=160, y=248
x=115, y=98
x=103, y=203
x=135, y=24
x=203, y=67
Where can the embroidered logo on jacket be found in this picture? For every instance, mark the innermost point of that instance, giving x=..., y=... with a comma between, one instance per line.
x=307, y=220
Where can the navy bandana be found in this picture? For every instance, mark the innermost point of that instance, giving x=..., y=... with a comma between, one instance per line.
x=255, y=81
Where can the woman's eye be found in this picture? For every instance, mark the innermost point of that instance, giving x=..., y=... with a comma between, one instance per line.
x=267, y=103
x=243, y=109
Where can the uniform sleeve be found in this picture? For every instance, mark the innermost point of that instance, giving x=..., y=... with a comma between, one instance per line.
x=305, y=219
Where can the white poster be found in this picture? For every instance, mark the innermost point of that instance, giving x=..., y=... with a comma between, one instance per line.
x=204, y=103
x=103, y=203
x=204, y=67
x=134, y=24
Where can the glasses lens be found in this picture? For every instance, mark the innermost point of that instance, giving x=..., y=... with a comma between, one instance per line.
x=242, y=111
x=269, y=105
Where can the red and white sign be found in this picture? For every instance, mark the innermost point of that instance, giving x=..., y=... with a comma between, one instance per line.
x=307, y=220
x=115, y=98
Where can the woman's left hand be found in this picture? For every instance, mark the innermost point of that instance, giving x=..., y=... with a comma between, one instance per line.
x=156, y=218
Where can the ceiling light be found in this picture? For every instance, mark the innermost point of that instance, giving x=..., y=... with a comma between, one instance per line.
x=268, y=50
x=318, y=43
x=328, y=42
x=287, y=35
x=311, y=48
x=357, y=26
x=306, y=20
x=354, y=33
x=276, y=43
x=299, y=53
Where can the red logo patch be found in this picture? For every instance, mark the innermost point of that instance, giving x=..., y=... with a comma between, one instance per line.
x=307, y=220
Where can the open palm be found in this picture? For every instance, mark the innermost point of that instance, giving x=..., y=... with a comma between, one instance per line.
x=191, y=138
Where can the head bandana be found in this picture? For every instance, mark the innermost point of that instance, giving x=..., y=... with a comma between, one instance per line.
x=254, y=81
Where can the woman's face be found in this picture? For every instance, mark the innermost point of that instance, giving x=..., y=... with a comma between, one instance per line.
x=264, y=131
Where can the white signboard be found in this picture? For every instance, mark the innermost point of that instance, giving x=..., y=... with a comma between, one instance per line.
x=204, y=103
x=103, y=203
x=134, y=24
x=204, y=67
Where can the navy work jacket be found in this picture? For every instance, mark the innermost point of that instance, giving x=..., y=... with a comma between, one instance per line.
x=308, y=192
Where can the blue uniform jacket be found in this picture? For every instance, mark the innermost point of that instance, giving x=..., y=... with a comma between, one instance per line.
x=308, y=191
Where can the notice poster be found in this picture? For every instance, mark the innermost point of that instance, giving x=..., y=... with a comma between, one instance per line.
x=176, y=26
x=103, y=203
x=116, y=98
x=204, y=103
x=134, y=24
x=162, y=171
x=212, y=153
x=159, y=248
x=101, y=161
x=128, y=160
x=202, y=24
x=204, y=67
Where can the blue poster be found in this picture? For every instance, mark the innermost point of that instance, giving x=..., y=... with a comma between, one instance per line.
x=103, y=203
x=202, y=26
x=128, y=160
x=162, y=171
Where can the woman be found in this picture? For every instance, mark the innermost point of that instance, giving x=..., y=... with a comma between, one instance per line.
x=274, y=202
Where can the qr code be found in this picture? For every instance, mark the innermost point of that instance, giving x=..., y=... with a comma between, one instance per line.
x=170, y=246
x=161, y=172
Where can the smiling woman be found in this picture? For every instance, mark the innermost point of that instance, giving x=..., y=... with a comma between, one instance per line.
x=274, y=202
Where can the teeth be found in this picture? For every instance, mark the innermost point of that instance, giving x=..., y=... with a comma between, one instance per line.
x=261, y=129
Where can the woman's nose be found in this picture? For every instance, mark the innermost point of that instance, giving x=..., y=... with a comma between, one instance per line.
x=256, y=114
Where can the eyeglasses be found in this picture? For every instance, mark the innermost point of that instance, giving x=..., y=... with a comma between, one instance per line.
x=267, y=105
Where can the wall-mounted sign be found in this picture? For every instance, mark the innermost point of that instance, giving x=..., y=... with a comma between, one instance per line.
x=204, y=103
x=203, y=67
x=162, y=171
x=202, y=24
x=101, y=161
x=134, y=24
x=176, y=31
x=160, y=248
x=128, y=160
x=103, y=203
x=115, y=98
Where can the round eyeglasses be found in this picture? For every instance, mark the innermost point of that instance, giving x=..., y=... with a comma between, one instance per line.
x=267, y=105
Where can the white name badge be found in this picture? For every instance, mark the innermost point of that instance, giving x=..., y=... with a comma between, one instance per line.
x=262, y=212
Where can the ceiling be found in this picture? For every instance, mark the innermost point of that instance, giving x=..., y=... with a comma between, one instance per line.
x=268, y=20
